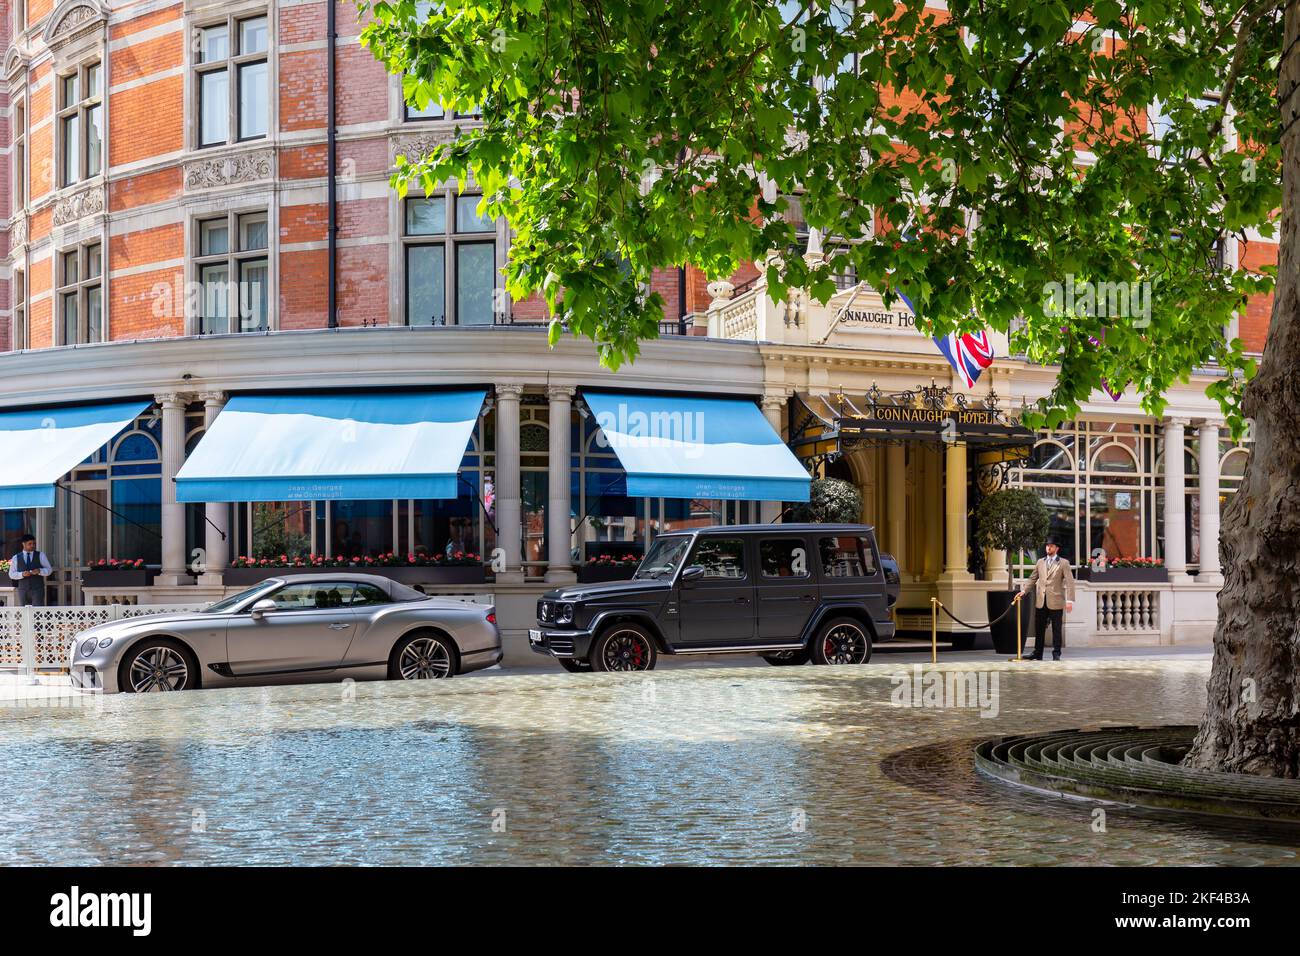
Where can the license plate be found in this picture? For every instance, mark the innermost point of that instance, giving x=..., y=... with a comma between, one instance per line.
x=534, y=636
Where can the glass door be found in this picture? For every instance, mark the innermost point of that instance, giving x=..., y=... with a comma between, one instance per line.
x=86, y=536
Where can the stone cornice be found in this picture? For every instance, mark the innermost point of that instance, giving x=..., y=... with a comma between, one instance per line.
x=16, y=59
x=365, y=358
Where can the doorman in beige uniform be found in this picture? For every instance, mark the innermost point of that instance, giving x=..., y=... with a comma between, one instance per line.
x=1055, y=596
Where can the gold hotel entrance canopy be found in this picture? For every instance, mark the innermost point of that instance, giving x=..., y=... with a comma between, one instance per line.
x=826, y=426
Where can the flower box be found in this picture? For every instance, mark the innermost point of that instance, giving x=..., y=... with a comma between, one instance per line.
x=125, y=578
x=597, y=573
x=434, y=574
x=1156, y=575
x=416, y=574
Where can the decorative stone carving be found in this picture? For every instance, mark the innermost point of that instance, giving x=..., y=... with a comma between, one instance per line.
x=71, y=19
x=18, y=231
x=417, y=147
x=74, y=19
x=509, y=390
x=721, y=292
x=229, y=170
x=88, y=202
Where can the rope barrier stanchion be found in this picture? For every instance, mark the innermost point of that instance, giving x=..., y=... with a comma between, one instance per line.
x=936, y=605
x=934, y=630
x=1019, y=641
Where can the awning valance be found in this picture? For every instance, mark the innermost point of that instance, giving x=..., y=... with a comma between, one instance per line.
x=309, y=447
x=680, y=447
x=40, y=446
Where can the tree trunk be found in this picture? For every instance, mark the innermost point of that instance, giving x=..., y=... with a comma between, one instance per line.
x=1252, y=719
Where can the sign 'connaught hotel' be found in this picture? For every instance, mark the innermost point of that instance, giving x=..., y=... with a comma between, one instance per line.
x=872, y=319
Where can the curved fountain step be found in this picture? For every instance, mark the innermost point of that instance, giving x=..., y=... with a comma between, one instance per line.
x=1139, y=766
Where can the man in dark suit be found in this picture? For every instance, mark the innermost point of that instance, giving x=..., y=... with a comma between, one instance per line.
x=1055, y=596
x=28, y=569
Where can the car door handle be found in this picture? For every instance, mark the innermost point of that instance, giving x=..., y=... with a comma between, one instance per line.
x=742, y=600
x=336, y=626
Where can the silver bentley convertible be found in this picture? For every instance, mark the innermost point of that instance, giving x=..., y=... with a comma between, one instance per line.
x=294, y=629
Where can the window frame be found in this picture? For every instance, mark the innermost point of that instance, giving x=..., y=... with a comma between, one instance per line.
x=234, y=258
x=20, y=333
x=232, y=65
x=451, y=240
x=19, y=183
x=79, y=112
x=78, y=290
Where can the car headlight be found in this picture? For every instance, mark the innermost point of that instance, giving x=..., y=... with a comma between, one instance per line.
x=105, y=641
x=88, y=647
x=564, y=614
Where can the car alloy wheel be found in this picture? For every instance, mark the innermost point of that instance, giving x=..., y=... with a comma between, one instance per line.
x=624, y=648
x=842, y=641
x=156, y=668
x=424, y=658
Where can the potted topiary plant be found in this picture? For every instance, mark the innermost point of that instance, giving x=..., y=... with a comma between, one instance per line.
x=1011, y=520
x=830, y=501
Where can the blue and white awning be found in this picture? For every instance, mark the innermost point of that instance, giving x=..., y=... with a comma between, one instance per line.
x=679, y=447
x=40, y=446
x=306, y=447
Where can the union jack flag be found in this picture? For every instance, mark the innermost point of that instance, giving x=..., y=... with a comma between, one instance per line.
x=970, y=353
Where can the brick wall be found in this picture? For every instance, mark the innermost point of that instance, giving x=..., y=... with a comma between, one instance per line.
x=1252, y=324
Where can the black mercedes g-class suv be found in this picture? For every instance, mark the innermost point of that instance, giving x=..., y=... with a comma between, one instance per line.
x=790, y=592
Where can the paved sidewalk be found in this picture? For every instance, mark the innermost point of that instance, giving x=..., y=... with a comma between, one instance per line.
x=909, y=654
x=54, y=687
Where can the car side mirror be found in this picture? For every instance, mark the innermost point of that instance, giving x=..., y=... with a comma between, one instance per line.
x=260, y=608
x=693, y=573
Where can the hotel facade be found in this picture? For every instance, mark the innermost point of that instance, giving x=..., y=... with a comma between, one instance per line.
x=196, y=217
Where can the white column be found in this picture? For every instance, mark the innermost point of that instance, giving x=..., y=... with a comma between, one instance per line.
x=1210, y=572
x=1175, y=501
x=173, y=571
x=954, y=564
x=559, y=503
x=896, y=504
x=773, y=405
x=508, y=510
x=216, y=539
x=933, y=529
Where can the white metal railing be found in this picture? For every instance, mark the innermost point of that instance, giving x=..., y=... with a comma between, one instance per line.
x=37, y=638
